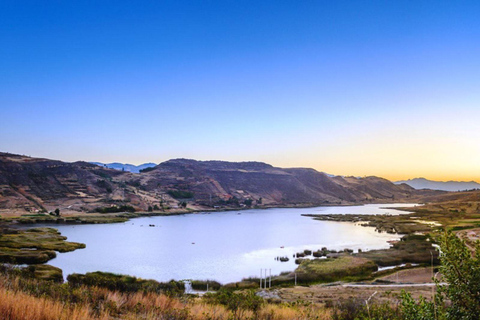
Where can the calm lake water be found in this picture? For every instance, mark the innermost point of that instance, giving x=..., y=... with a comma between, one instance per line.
x=224, y=246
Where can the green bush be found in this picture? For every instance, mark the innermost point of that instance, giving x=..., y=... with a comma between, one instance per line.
x=460, y=269
x=115, y=209
x=125, y=283
x=237, y=302
x=202, y=285
x=179, y=194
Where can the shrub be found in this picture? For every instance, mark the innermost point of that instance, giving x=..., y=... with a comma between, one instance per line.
x=237, y=302
x=125, y=283
x=179, y=194
x=115, y=209
x=460, y=269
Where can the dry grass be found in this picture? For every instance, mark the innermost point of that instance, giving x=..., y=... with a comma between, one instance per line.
x=29, y=299
x=20, y=306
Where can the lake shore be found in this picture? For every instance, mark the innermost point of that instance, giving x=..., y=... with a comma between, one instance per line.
x=74, y=217
x=199, y=218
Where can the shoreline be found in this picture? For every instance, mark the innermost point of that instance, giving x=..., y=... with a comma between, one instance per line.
x=97, y=218
x=150, y=214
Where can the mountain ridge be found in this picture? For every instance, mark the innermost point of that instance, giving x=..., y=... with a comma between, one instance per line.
x=33, y=184
x=423, y=183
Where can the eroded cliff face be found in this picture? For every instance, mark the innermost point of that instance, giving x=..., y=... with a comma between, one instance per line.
x=33, y=184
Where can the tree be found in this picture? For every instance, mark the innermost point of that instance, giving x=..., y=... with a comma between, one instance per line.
x=460, y=269
x=182, y=204
x=57, y=212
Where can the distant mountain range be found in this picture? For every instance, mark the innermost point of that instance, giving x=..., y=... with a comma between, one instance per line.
x=125, y=166
x=422, y=183
x=31, y=184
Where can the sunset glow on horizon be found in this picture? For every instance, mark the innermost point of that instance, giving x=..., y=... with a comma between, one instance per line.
x=357, y=88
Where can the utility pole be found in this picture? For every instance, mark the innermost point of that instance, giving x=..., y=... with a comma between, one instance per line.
x=270, y=284
x=261, y=278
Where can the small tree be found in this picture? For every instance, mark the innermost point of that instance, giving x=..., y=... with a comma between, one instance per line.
x=57, y=212
x=460, y=269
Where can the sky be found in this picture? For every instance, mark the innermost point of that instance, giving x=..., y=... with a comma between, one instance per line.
x=385, y=88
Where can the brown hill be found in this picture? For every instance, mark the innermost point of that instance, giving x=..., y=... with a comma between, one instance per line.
x=34, y=184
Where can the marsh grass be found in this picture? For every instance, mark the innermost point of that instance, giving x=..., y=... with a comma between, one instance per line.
x=40, y=239
x=333, y=269
x=410, y=249
x=33, y=246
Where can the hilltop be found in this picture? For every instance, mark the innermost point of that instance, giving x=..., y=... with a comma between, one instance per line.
x=35, y=184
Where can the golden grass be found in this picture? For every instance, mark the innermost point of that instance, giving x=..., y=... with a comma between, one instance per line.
x=20, y=306
x=100, y=303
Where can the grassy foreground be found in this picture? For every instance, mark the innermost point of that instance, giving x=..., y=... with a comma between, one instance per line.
x=23, y=298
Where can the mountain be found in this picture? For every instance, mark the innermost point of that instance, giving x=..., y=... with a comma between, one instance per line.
x=422, y=183
x=34, y=184
x=125, y=166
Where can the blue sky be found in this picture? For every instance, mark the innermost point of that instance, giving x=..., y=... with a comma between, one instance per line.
x=387, y=88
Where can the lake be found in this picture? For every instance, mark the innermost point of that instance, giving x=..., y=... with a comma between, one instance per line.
x=223, y=246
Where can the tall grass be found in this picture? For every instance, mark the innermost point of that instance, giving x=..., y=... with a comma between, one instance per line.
x=21, y=306
x=30, y=299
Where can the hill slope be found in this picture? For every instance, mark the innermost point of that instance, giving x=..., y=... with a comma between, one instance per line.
x=33, y=184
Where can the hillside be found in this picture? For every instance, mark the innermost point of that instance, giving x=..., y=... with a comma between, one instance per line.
x=422, y=183
x=34, y=184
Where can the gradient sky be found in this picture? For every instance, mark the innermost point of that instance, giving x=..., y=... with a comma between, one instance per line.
x=387, y=88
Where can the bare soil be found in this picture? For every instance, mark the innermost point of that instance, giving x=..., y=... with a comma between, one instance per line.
x=391, y=293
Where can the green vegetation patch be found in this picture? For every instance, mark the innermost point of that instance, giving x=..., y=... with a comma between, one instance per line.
x=125, y=283
x=334, y=269
x=202, y=285
x=410, y=249
x=33, y=246
x=24, y=256
x=402, y=224
x=38, y=238
x=44, y=272
x=115, y=209
x=179, y=194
